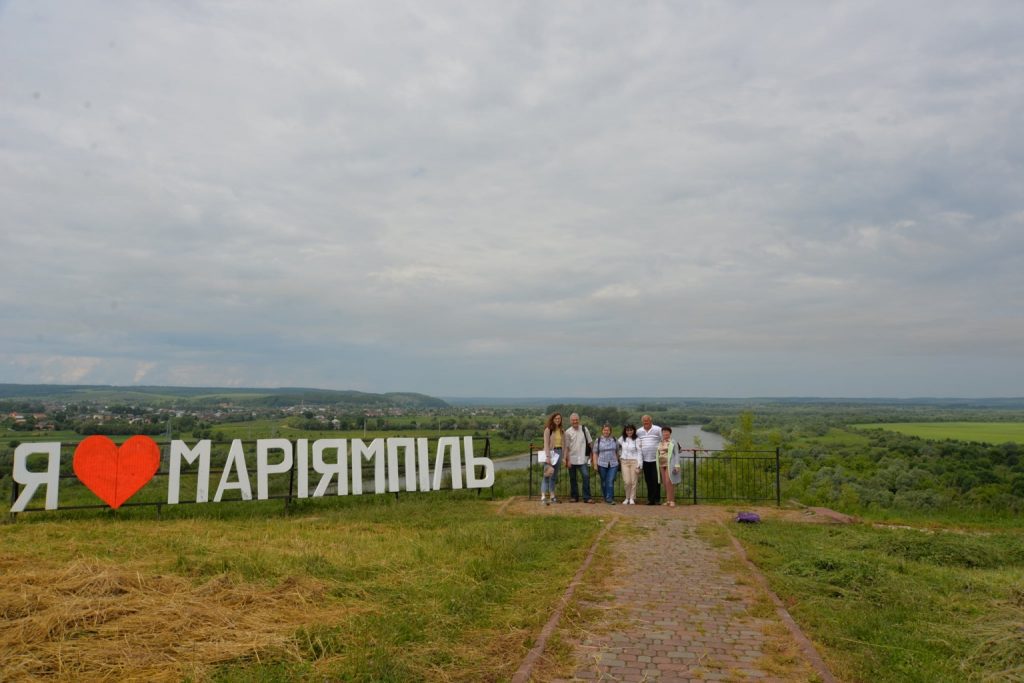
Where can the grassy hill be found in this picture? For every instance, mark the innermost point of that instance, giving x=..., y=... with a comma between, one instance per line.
x=198, y=396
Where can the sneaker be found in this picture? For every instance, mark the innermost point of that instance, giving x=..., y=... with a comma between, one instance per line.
x=555, y=500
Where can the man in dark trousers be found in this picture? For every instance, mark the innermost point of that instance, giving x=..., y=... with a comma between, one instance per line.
x=649, y=435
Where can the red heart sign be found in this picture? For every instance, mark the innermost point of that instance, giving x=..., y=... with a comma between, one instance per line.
x=114, y=474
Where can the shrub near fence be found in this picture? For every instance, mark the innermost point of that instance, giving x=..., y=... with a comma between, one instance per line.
x=708, y=476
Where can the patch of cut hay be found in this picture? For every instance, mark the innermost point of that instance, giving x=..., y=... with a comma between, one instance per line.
x=1001, y=654
x=98, y=621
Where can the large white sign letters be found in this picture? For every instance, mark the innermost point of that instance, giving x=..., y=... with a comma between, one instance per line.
x=339, y=466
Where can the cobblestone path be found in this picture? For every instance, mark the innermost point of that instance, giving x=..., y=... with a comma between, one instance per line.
x=678, y=608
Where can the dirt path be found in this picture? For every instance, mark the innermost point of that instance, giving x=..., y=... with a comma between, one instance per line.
x=676, y=603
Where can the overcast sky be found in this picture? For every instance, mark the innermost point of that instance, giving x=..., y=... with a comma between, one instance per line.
x=515, y=199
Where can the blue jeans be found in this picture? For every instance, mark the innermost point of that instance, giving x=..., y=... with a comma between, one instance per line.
x=547, y=484
x=583, y=469
x=608, y=481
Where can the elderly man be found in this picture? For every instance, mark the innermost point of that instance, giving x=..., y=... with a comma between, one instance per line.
x=649, y=435
x=577, y=440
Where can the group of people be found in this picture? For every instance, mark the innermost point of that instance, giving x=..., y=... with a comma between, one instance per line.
x=649, y=449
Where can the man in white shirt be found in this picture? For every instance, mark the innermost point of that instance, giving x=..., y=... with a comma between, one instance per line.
x=649, y=435
x=577, y=439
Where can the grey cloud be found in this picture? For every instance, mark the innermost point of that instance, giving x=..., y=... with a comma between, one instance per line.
x=784, y=198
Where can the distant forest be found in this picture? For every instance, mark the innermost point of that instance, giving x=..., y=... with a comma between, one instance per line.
x=200, y=396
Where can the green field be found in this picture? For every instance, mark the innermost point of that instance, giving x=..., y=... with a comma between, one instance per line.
x=982, y=432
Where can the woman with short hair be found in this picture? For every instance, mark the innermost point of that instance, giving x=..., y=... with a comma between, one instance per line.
x=669, y=471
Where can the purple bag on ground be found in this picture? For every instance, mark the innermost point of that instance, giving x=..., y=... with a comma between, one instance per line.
x=748, y=517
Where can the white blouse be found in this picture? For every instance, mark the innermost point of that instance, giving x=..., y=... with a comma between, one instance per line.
x=630, y=449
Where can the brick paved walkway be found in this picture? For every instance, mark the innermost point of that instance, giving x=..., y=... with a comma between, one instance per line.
x=680, y=609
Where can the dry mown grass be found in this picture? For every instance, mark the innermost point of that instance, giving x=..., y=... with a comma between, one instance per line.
x=94, y=620
x=1001, y=636
x=419, y=589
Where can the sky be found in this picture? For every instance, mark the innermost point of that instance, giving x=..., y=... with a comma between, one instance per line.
x=715, y=199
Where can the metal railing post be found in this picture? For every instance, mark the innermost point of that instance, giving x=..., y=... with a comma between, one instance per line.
x=291, y=483
x=487, y=455
x=529, y=470
x=14, y=496
x=694, y=476
x=778, y=479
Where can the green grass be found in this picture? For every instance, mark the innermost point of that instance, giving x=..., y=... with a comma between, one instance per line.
x=9, y=435
x=428, y=587
x=982, y=432
x=900, y=604
x=961, y=518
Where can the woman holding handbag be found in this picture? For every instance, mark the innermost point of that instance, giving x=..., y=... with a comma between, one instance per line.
x=554, y=437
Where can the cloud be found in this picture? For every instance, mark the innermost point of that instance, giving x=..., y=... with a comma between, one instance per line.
x=500, y=199
x=57, y=369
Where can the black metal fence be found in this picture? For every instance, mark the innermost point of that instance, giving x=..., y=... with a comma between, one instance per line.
x=707, y=476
